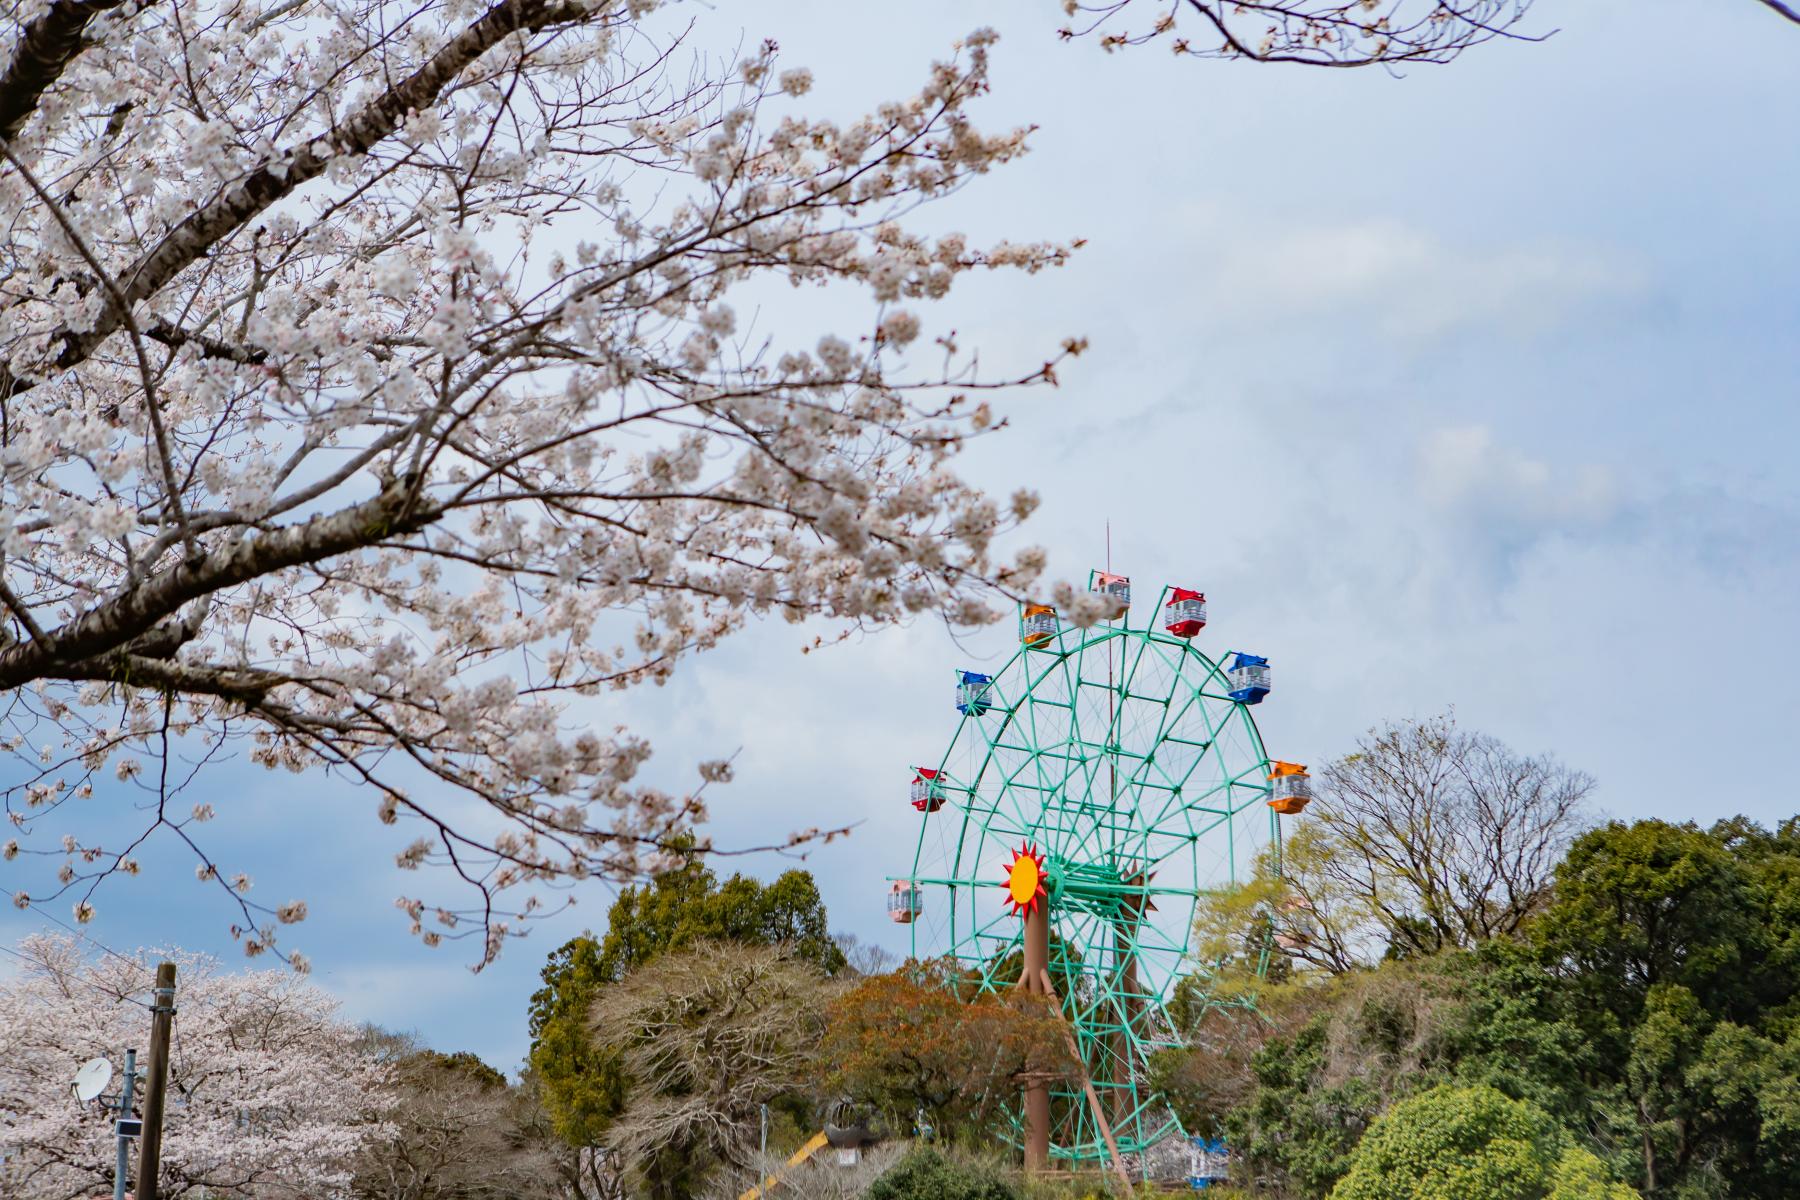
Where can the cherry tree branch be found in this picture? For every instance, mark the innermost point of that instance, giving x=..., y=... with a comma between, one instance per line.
x=300, y=164
x=115, y=622
x=43, y=50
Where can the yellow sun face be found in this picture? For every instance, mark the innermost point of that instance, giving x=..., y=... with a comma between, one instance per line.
x=1025, y=879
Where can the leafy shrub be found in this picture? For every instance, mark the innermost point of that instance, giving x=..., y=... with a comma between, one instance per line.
x=924, y=1174
x=1471, y=1143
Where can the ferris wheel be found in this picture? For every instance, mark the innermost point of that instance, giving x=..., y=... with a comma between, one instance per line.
x=1096, y=786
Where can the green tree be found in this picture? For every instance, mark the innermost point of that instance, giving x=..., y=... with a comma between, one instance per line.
x=1515, y=1029
x=1653, y=903
x=583, y=1083
x=1354, y=1044
x=1471, y=1143
x=1674, y=950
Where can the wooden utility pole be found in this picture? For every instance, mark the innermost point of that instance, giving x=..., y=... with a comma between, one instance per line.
x=162, y=1018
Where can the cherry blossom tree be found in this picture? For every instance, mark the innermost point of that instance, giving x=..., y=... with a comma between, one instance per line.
x=270, y=1092
x=377, y=387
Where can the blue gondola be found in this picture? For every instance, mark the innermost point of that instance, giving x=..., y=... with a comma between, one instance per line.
x=1249, y=676
x=972, y=693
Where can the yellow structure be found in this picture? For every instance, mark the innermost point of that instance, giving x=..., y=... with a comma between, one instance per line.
x=799, y=1156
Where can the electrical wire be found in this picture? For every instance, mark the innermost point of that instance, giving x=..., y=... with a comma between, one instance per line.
x=110, y=995
x=92, y=941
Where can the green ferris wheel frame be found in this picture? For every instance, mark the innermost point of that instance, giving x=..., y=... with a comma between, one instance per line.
x=1117, y=753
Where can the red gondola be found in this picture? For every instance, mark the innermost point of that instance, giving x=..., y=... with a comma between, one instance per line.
x=1185, y=613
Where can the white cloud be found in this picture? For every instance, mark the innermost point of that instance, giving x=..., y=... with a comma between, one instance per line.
x=1396, y=280
x=1465, y=470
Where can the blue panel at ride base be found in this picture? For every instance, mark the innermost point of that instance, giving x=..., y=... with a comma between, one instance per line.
x=1249, y=695
x=1213, y=1165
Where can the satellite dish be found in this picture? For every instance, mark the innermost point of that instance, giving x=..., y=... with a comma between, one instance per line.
x=92, y=1079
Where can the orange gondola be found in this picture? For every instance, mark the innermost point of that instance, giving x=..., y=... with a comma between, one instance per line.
x=1290, y=788
x=1037, y=625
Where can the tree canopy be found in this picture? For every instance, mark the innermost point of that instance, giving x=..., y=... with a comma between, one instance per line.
x=705, y=1036
x=583, y=1079
x=912, y=1044
x=1425, y=837
x=374, y=401
x=271, y=1090
x=1471, y=1143
x=1647, y=1009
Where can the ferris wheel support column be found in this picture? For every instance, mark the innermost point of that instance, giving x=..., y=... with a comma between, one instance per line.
x=1125, y=946
x=1037, y=1097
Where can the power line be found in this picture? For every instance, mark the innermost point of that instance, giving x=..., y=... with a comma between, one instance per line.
x=51, y=917
x=110, y=995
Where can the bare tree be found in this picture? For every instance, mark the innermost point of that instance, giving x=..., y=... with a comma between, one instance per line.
x=1316, y=33
x=829, y=1181
x=864, y=958
x=581, y=1172
x=1425, y=837
x=1441, y=836
x=455, y=1130
x=709, y=1035
x=371, y=398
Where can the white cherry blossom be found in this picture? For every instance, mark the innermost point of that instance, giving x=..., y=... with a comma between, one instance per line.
x=373, y=402
x=269, y=1089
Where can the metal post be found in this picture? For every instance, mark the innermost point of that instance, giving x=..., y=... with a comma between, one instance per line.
x=122, y=1167
x=765, y=1131
x=156, y=1086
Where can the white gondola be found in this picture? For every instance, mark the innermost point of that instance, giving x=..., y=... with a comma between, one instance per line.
x=904, y=903
x=1293, y=787
x=1115, y=590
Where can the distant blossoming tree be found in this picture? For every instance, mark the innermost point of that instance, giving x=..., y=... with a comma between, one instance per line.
x=269, y=1090
x=372, y=392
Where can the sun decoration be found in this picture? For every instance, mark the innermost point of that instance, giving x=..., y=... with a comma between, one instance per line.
x=1025, y=880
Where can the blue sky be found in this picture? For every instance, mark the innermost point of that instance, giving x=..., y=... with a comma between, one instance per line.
x=1473, y=387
